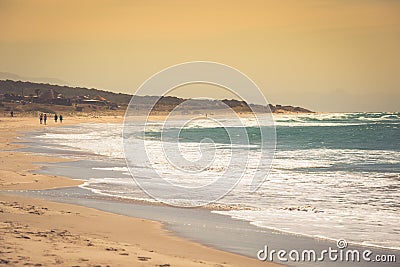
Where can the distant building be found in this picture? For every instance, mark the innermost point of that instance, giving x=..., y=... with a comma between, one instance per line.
x=94, y=102
x=52, y=97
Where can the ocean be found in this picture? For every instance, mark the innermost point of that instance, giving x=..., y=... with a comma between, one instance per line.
x=333, y=175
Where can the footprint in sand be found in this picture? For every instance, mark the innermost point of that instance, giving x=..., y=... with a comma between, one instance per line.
x=142, y=258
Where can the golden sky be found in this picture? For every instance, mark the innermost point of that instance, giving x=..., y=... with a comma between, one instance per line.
x=327, y=55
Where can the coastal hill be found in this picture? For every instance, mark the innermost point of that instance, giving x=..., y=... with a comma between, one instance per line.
x=24, y=96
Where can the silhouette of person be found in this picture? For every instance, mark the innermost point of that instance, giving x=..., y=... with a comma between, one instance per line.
x=55, y=117
x=41, y=118
x=61, y=118
x=12, y=114
x=45, y=118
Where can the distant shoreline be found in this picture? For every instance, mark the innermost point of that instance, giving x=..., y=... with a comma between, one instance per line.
x=22, y=96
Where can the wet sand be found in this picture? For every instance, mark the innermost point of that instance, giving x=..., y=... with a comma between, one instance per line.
x=43, y=233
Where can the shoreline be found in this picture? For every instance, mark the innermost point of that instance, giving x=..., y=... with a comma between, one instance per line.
x=213, y=230
x=27, y=223
x=283, y=240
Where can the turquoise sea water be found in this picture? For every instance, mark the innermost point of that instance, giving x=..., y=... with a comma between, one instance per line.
x=334, y=175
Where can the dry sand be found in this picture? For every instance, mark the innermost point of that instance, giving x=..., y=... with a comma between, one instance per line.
x=42, y=233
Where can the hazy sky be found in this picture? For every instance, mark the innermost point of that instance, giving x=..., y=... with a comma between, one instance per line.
x=328, y=55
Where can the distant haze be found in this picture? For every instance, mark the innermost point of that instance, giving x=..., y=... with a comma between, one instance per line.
x=16, y=77
x=330, y=55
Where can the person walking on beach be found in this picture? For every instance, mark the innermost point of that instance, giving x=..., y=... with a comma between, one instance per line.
x=61, y=118
x=45, y=118
x=55, y=118
x=41, y=118
x=12, y=114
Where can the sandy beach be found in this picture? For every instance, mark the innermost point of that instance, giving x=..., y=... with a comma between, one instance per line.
x=42, y=233
x=200, y=133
